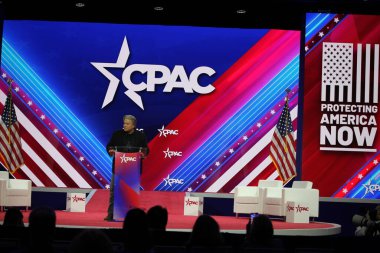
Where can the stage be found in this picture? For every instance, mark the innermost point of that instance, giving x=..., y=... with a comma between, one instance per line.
x=97, y=202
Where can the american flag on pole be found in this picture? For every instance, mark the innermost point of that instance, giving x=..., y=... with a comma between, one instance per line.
x=10, y=142
x=283, y=146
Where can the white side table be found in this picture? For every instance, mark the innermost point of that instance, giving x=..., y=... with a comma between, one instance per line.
x=297, y=212
x=76, y=202
x=193, y=206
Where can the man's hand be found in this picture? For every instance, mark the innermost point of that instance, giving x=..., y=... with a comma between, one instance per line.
x=111, y=152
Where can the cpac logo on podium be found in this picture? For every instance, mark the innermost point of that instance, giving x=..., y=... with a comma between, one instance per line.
x=126, y=159
x=155, y=75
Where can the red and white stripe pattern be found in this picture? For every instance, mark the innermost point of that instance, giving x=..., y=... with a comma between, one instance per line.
x=48, y=161
x=10, y=142
x=252, y=171
x=283, y=147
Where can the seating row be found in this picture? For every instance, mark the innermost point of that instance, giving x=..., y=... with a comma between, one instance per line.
x=271, y=198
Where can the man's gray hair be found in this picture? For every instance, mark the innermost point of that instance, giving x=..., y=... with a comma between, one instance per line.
x=131, y=118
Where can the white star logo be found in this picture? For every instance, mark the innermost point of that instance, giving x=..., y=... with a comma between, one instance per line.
x=344, y=190
x=114, y=82
x=217, y=163
x=81, y=158
x=94, y=172
x=272, y=112
x=68, y=144
x=360, y=176
x=189, y=189
x=55, y=130
x=203, y=176
x=123, y=159
x=245, y=137
x=231, y=150
x=107, y=186
x=321, y=34
x=4, y=75
x=30, y=102
x=17, y=89
x=336, y=20
x=42, y=117
x=162, y=131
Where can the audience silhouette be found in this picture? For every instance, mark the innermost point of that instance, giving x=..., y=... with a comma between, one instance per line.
x=41, y=229
x=13, y=218
x=157, y=221
x=261, y=234
x=205, y=234
x=91, y=240
x=136, y=231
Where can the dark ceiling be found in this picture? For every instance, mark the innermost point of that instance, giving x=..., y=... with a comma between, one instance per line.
x=287, y=14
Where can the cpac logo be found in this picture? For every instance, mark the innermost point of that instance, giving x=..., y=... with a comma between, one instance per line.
x=189, y=202
x=155, y=74
x=169, y=153
x=372, y=188
x=164, y=132
x=298, y=209
x=126, y=159
x=170, y=181
x=76, y=198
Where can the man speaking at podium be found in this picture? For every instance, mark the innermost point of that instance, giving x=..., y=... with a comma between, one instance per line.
x=130, y=140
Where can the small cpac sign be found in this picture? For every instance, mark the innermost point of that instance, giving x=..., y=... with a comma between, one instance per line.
x=76, y=202
x=297, y=212
x=193, y=206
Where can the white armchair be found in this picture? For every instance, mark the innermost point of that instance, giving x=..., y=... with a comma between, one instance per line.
x=275, y=199
x=246, y=200
x=249, y=199
x=14, y=192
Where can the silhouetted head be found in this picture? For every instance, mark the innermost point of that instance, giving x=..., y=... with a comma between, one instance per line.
x=261, y=229
x=42, y=219
x=157, y=217
x=13, y=218
x=206, y=232
x=135, y=227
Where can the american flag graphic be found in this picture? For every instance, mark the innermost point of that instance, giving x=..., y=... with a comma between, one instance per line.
x=50, y=158
x=10, y=142
x=283, y=148
x=340, y=174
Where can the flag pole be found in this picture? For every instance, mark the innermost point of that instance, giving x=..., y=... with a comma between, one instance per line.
x=287, y=115
x=9, y=81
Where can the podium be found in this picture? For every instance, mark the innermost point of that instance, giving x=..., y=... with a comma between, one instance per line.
x=126, y=183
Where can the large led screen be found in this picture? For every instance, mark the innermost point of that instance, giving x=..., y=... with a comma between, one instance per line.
x=208, y=100
x=340, y=116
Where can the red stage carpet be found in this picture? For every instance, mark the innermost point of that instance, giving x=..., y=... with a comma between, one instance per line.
x=174, y=202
